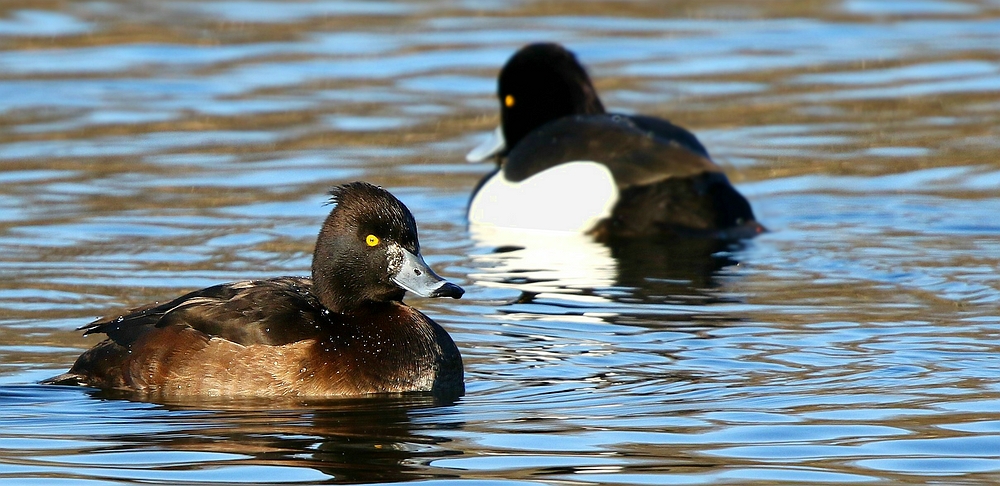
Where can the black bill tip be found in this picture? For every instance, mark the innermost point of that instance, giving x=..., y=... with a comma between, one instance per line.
x=448, y=289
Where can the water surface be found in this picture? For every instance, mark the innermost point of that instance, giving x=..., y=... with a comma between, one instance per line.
x=150, y=148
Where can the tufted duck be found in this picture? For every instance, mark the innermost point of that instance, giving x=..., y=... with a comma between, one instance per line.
x=565, y=164
x=344, y=332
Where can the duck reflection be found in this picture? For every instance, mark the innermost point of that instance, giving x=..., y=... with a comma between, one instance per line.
x=682, y=271
x=629, y=270
x=536, y=261
x=353, y=440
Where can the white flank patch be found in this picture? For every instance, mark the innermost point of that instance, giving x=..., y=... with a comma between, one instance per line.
x=573, y=196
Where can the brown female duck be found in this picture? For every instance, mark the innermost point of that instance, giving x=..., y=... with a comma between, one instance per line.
x=344, y=332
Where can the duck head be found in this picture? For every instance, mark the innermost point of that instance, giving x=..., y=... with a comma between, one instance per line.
x=540, y=83
x=367, y=251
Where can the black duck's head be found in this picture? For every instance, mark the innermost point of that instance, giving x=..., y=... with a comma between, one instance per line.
x=540, y=83
x=367, y=251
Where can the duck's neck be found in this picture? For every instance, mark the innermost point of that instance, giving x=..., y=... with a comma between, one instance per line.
x=344, y=298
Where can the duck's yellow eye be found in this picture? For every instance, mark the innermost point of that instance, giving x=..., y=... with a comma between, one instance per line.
x=371, y=240
x=508, y=101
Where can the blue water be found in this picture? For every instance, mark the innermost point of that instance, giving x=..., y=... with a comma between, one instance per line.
x=147, y=149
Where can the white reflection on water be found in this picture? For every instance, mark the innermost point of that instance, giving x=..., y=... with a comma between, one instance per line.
x=541, y=261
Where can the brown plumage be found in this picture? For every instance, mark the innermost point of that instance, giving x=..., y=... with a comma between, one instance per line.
x=345, y=332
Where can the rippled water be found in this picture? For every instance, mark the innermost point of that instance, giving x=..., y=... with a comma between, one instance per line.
x=148, y=148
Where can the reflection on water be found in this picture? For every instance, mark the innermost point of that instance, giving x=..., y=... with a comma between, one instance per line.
x=541, y=261
x=573, y=266
x=147, y=149
x=356, y=440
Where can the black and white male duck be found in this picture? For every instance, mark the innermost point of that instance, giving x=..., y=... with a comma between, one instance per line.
x=344, y=332
x=564, y=164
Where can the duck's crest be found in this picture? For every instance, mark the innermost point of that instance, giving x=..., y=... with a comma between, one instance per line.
x=338, y=193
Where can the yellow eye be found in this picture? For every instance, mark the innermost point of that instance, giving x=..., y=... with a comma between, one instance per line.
x=508, y=101
x=371, y=240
